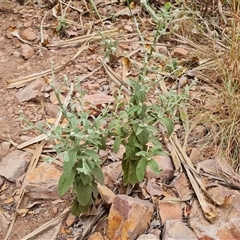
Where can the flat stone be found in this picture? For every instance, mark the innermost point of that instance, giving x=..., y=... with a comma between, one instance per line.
x=27, y=51
x=148, y=237
x=226, y=225
x=164, y=163
x=42, y=182
x=179, y=52
x=112, y=173
x=32, y=92
x=129, y=217
x=14, y=165
x=169, y=211
x=182, y=185
x=29, y=35
x=177, y=230
x=52, y=111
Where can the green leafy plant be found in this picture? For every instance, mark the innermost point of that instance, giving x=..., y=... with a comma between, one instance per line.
x=62, y=24
x=136, y=128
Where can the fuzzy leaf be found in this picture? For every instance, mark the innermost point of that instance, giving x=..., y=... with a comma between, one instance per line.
x=98, y=174
x=65, y=182
x=75, y=210
x=116, y=144
x=154, y=166
x=141, y=168
x=168, y=123
x=84, y=193
x=143, y=137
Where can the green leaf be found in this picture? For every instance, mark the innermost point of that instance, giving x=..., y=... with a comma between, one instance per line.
x=141, y=168
x=168, y=123
x=143, y=137
x=141, y=153
x=92, y=154
x=116, y=144
x=86, y=179
x=102, y=144
x=139, y=130
x=65, y=182
x=69, y=160
x=84, y=193
x=154, y=166
x=75, y=210
x=98, y=174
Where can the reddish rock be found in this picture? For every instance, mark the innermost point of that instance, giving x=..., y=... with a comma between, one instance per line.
x=169, y=211
x=112, y=173
x=29, y=35
x=182, y=185
x=174, y=230
x=227, y=224
x=42, y=182
x=164, y=163
x=27, y=51
x=179, y=52
x=128, y=218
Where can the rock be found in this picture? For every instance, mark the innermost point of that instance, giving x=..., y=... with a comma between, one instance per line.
x=29, y=35
x=43, y=181
x=1, y=181
x=174, y=230
x=16, y=54
x=182, y=185
x=27, y=51
x=128, y=218
x=112, y=173
x=71, y=219
x=169, y=211
x=107, y=195
x=6, y=145
x=179, y=52
x=164, y=163
x=227, y=225
x=96, y=236
x=4, y=223
x=32, y=92
x=14, y=165
x=147, y=237
x=54, y=100
x=52, y=111
x=7, y=6
x=195, y=156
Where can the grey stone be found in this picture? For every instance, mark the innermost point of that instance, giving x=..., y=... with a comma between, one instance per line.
x=14, y=165
x=32, y=92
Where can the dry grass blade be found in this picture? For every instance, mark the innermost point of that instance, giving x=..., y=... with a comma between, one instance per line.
x=114, y=77
x=88, y=37
x=47, y=224
x=31, y=166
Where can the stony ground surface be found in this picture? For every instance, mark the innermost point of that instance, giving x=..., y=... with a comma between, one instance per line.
x=164, y=206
